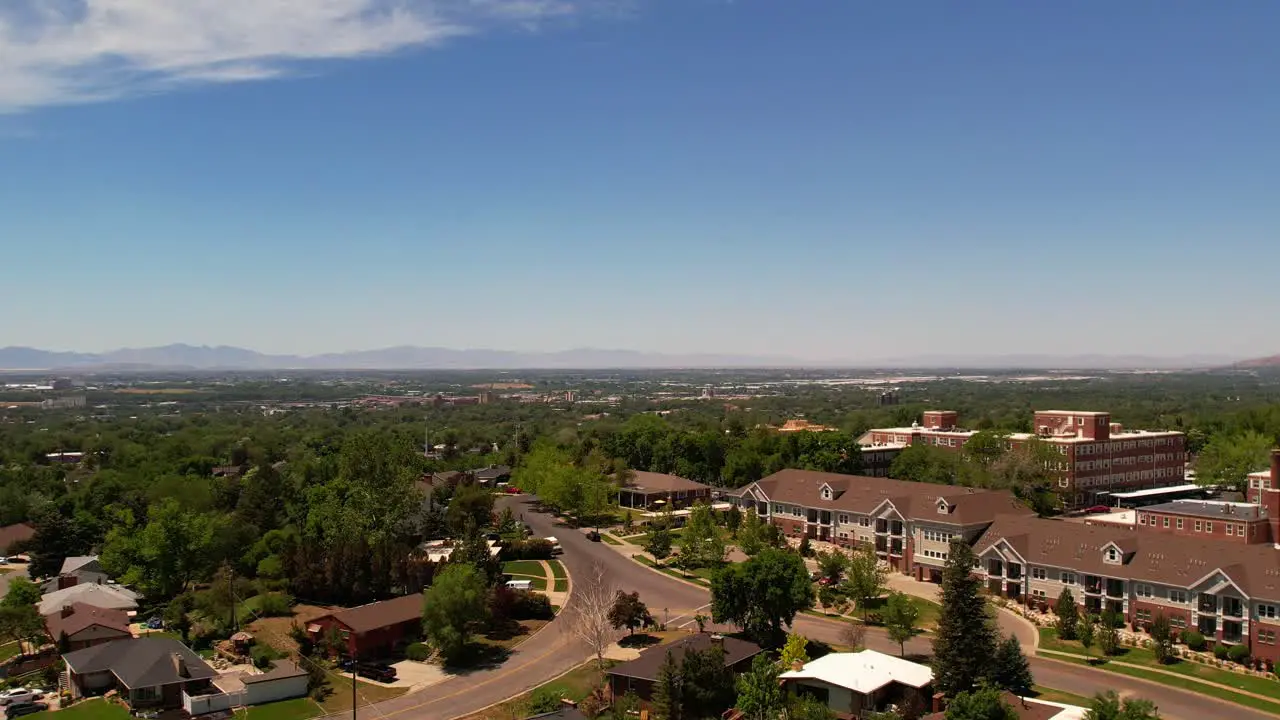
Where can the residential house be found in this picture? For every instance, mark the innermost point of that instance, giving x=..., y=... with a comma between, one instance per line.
x=1230, y=592
x=81, y=570
x=651, y=490
x=282, y=681
x=13, y=537
x=638, y=675
x=111, y=597
x=151, y=672
x=372, y=631
x=909, y=524
x=84, y=626
x=492, y=475
x=862, y=682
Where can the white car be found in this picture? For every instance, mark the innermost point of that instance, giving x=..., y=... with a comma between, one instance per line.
x=18, y=695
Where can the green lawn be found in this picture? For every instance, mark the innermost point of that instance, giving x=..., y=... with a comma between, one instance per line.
x=8, y=650
x=609, y=539
x=96, y=709
x=340, y=697
x=532, y=568
x=562, y=586
x=557, y=569
x=1186, y=683
x=1189, y=668
x=575, y=685
x=295, y=709
x=1060, y=696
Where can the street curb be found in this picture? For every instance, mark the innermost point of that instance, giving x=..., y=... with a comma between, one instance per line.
x=1035, y=629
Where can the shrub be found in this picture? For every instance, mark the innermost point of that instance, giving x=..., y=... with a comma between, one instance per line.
x=527, y=605
x=417, y=652
x=275, y=604
x=532, y=549
x=1238, y=653
x=545, y=699
x=1193, y=639
x=262, y=655
x=1220, y=652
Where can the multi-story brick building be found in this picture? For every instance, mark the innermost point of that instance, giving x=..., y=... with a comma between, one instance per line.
x=1230, y=592
x=1098, y=455
x=877, y=459
x=910, y=525
x=1248, y=523
x=1262, y=481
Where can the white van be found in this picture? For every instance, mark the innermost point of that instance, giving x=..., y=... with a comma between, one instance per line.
x=555, y=545
x=520, y=584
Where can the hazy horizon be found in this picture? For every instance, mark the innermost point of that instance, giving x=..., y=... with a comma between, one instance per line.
x=850, y=180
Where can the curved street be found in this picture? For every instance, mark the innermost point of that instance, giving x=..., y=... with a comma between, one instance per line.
x=554, y=650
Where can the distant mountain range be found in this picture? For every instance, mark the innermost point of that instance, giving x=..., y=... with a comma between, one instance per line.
x=192, y=357
x=1266, y=362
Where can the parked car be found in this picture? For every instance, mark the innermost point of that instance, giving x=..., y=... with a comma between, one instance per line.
x=14, y=710
x=1098, y=510
x=376, y=671
x=155, y=623
x=4, y=560
x=593, y=536
x=18, y=695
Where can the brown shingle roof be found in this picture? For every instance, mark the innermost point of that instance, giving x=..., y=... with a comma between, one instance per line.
x=651, y=482
x=646, y=666
x=381, y=614
x=85, y=616
x=1160, y=558
x=11, y=535
x=913, y=500
x=1025, y=709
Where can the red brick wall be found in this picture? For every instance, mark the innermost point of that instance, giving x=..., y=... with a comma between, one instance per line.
x=1169, y=612
x=1257, y=531
x=1264, y=651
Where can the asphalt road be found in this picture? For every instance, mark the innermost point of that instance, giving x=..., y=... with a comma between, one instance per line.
x=554, y=651
x=18, y=571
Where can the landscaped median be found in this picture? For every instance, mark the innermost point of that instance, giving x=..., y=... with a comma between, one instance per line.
x=699, y=576
x=1260, y=693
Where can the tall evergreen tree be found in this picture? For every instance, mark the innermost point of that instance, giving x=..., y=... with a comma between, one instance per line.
x=965, y=640
x=1010, y=669
x=1068, y=615
x=668, y=691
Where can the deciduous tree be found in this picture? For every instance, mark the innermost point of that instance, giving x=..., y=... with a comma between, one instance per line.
x=589, y=620
x=901, y=617
x=1110, y=706
x=796, y=650
x=760, y=694
x=984, y=703
x=457, y=601
x=629, y=612
x=1162, y=638
x=864, y=578
x=762, y=594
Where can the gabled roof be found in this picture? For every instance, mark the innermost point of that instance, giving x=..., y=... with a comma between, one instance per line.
x=141, y=662
x=280, y=669
x=11, y=535
x=862, y=494
x=1160, y=558
x=646, y=666
x=652, y=482
x=83, y=562
x=84, y=616
x=384, y=613
x=103, y=596
x=863, y=672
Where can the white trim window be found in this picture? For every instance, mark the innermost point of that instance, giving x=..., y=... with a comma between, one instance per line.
x=1068, y=578
x=1039, y=573
x=1178, y=596
x=1142, y=590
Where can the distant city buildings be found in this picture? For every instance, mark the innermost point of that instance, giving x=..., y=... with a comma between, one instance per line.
x=1099, y=456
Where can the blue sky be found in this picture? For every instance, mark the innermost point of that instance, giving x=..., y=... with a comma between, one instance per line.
x=828, y=180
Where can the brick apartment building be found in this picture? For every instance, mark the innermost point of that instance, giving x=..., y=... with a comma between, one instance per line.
x=911, y=525
x=1230, y=592
x=1098, y=455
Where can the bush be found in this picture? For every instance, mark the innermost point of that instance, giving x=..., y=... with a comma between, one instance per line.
x=262, y=655
x=527, y=605
x=532, y=549
x=1220, y=652
x=1239, y=653
x=1193, y=640
x=417, y=652
x=545, y=699
x=275, y=604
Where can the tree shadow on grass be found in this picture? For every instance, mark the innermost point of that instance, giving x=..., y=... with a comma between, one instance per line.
x=639, y=640
x=477, y=656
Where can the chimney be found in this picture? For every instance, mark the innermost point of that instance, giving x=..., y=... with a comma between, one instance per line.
x=180, y=665
x=1275, y=468
x=797, y=665
x=939, y=703
x=717, y=639
x=68, y=611
x=66, y=581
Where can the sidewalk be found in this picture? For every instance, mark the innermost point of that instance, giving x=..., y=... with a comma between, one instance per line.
x=1160, y=671
x=558, y=598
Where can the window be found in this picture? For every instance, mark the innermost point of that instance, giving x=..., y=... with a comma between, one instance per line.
x=1178, y=596
x=1199, y=525
x=1039, y=593
x=1179, y=523
x=1142, y=590
x=1039, y=573
x=1142, y=519
x=1166, y=521
x=844, y=519
x=864, y=522
x=826, y=492
x=1113, y=555
x=1240, y=530
x=1208, y=526
x=1144, y=615
x=1266, y=611
x=1231, y=529
x=1068, y=578
x=1267, y=637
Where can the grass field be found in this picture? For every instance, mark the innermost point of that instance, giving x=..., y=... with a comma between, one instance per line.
x=340, y=697
x=1060, y=696
x=295, y=709
x=531, y=568
x=95, y=709
x=575, y=685
x=8, y=650
x=557, y=569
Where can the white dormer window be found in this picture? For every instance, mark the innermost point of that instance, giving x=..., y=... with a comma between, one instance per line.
x=943, y=507
x=1113, y=555
x=826, y=492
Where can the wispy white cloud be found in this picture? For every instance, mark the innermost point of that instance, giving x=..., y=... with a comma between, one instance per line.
x=73, y=51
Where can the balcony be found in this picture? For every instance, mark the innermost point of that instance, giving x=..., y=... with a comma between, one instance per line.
x=882, y=545
x=1232, y=632
x=1092, y=585
x=1115, y=588
x=895, y=548
x=1232, y=607
x=1014, y=571
x=995, y=568
x=1207, y=603
x=895, y=528
x=882, y=527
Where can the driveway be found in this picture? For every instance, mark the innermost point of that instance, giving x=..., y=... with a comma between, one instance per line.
x=553, y=651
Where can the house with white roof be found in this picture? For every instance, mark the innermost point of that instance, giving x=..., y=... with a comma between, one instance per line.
x=109, y=597
x=862, y=682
